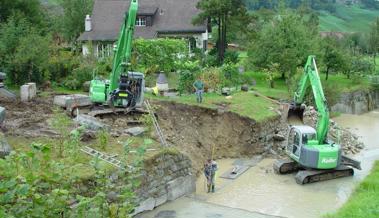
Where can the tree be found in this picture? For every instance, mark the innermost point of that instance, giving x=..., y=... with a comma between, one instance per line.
x=73, y=18
x=287, y=41
x=374, y=39
x=28, y=9
x=24, y=51
x=333, y=57
x=220, y=12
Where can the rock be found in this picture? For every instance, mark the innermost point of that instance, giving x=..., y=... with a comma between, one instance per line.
x=112, y=196
x=278, y=137
x=2, y=114
x=91, y=123
x=67, y=101
x=180, y=186
x=245, y=88
x=115, y=134
x=229, y=97
x=86, y=86
x=88, y=135
x=135, y=131
x=226, y=91
x=5, y=148
x=28, y=92
x=145, y=205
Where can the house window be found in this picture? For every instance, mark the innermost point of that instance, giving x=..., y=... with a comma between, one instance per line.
x=141, y=21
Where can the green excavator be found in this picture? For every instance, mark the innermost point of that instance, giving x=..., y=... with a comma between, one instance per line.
x=312, y=155
x=124, y=89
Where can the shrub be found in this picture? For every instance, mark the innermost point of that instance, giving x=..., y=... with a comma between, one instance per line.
x=212, y=77
x=231, y=76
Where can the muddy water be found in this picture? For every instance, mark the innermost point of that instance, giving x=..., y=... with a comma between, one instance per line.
x=260, y=191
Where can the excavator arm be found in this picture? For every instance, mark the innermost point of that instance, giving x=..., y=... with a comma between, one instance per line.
x=124, y=46
x=311, y=78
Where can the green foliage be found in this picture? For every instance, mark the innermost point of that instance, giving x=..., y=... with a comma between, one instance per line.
x=158, y=54
x=363, y=202
x=221, y=12
x=103, y=139
x=231, y=76
x=187, y=75
x=73, y=17
x=287, y=41
x=334, y=58
x=61, y=63
x=29, y=9
x=24, y=51
x=212, y=78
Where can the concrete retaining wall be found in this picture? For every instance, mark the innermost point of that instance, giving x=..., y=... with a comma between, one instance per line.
x=166, y=177
x=357, y=102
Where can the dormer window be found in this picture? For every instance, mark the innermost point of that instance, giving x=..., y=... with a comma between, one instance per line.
x=141, y=21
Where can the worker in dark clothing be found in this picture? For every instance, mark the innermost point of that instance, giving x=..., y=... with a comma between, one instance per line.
x=199, y=87
x=210, y=168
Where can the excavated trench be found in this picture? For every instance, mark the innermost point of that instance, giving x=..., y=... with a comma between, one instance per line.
x=203, y=133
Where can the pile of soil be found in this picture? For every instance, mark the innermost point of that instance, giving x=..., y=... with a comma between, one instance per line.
x=28, y=119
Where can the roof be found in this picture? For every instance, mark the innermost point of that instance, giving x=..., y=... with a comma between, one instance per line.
x=170, y=16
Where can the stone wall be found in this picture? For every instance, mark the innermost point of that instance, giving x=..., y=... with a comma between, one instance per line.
x=357, y=102
x=166, y=177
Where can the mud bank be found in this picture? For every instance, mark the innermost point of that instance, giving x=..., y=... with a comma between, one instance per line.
x=357, y=102
x=202, y=133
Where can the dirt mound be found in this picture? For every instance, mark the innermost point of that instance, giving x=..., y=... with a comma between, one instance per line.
x=348, y=140
x=28, y=118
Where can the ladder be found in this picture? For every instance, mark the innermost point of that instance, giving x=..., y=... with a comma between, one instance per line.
x=155, y=123
x=104, y=157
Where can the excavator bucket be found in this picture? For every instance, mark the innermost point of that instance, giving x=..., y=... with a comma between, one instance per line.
x=295, y=112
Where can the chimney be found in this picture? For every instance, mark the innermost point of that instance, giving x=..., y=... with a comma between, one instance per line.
x=88, y=23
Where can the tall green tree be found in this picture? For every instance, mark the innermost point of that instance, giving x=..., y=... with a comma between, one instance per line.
x=73, y=18
x=220, y=12
x=24, y=51
x=332, y=56
x=287, y=41
x=374, y=39
x=28, y=9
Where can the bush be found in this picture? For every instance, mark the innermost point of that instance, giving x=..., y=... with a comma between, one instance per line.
x=212, y=78
x=84, y=72
x=187, y=75
x=231, y=76
x=158, y=54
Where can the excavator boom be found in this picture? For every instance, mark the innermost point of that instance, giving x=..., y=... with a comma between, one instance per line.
x=311, y=78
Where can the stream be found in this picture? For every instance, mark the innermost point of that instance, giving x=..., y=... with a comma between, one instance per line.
x=259, y=192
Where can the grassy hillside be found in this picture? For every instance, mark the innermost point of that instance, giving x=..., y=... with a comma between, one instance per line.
x=348, y=19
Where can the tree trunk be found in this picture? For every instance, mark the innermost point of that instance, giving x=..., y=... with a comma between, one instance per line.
x=283, y=76
x=327, y=73
x=219, y=40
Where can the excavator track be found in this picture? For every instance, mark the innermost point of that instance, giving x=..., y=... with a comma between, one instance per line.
x=312, y=176
x=285, y=166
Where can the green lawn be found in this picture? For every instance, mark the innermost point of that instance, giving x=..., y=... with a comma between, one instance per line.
x=364, y=202
x=348, y=19
x=342, y=84
x=244, y=103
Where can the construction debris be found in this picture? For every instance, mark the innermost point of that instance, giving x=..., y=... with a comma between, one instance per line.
x=91, y=123
x=135, y=131
x=5, y=148
x=2, y=114
x=68, y=101
x=28, y=92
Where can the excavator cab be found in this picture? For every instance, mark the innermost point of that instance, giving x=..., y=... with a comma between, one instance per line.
x=300, y=136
